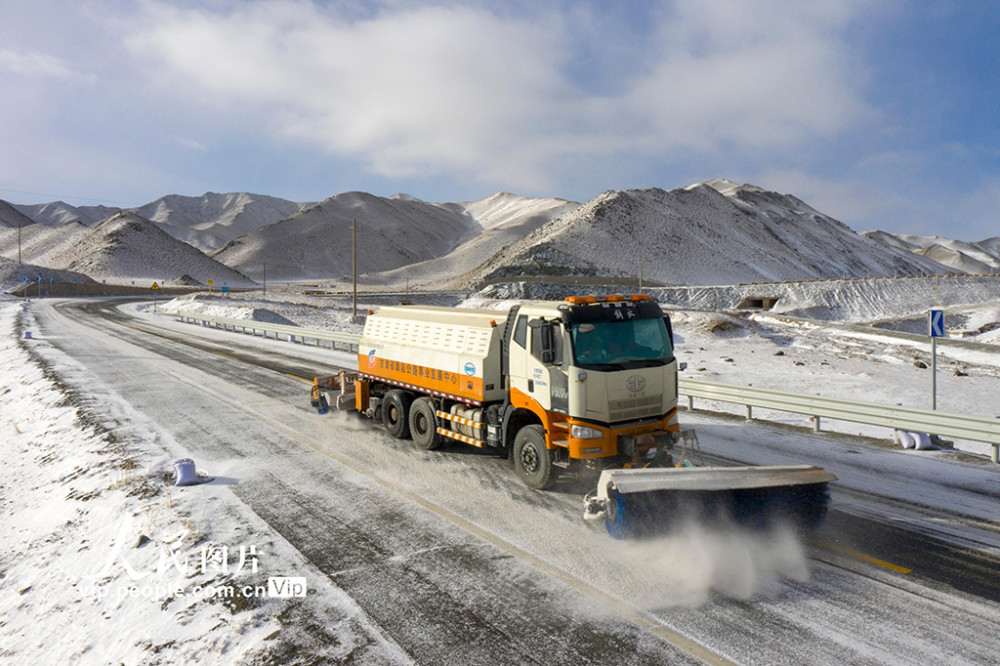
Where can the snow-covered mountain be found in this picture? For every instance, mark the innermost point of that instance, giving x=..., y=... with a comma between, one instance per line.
x=991, y=245
x=503, y=219
x=959, y=256
x=210, y=221
x=123, y=247
x=316, y=242
x=14, y=275
x=40, y=243
x=709, y=233
x=207, y=222
x=399, y=237
x=58, y=213
x=715, y=232
x=503, y=209
x=10, y=216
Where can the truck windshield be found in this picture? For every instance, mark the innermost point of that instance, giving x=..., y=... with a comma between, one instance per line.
x=621, y=344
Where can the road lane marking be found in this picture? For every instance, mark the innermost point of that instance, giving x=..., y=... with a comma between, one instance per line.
x=860, y=556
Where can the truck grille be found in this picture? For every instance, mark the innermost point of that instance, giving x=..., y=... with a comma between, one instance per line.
x=635, y=408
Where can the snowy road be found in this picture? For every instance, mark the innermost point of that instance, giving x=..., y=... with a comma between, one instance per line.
x=453, y=561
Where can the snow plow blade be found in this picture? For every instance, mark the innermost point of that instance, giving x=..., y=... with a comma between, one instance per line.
x=648, y=502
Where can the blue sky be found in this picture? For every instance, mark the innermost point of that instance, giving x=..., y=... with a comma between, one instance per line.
x=881, y=113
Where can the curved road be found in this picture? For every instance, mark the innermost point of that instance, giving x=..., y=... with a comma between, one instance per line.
x=456, y=562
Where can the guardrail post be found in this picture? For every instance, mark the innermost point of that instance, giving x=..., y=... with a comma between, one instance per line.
x=749, y=413
x=995, y=456
x=690, y=403
x=815, y=421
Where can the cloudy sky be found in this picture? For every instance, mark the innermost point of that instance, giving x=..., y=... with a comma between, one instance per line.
x=882, y=113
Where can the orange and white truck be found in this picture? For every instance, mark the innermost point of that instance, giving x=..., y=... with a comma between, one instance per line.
x=591, y=380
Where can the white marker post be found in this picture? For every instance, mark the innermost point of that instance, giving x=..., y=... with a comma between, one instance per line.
x=935, y=329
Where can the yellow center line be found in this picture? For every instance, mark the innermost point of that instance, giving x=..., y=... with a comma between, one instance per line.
x=233, y=358
x=860, y=556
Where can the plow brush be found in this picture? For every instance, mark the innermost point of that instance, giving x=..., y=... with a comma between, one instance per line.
x=650, y=502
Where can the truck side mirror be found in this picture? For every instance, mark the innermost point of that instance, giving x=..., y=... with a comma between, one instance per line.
x=543, y=343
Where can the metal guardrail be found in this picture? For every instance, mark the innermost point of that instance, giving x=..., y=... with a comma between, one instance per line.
x=347, y=341
x=962, y=426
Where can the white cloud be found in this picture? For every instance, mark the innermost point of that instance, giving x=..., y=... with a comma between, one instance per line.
x=462, y=91
x=34, y=64
x=194, y=144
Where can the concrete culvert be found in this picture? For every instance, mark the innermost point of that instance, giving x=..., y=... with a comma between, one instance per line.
x=758, y=303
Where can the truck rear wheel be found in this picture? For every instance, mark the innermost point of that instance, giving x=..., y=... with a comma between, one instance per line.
x=423, y=424
x=395, y=413
x=532, y=459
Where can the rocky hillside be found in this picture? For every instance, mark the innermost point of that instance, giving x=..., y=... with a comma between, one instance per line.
x=316, y=242
x=959, y=256
x=710, y=233
x=210, y=221
x=127, y=246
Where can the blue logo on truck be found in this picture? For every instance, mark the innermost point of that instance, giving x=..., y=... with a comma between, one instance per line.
x=470, y=368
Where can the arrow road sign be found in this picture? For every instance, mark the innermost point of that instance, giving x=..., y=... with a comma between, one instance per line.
x=937, y=324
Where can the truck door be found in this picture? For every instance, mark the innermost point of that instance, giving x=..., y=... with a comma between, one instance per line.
x=518, y=357
x=546, y=377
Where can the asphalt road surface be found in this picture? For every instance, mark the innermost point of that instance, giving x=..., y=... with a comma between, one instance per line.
x=457, y=562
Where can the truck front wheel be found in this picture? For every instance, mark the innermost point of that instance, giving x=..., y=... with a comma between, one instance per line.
x=395, y=413
x=532, y=459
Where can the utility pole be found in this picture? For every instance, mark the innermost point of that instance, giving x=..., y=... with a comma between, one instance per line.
x=265, y=278
x=354, y=266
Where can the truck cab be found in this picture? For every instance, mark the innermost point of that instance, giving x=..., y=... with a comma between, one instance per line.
x=596, y=374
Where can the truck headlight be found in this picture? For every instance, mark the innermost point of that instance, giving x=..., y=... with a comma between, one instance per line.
x=583, y=432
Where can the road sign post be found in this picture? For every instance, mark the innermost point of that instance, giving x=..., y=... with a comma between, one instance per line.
x=935, y=329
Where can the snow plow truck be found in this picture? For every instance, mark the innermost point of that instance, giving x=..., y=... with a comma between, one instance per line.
x=589, y=381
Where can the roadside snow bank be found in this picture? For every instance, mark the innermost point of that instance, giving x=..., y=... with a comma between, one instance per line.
x=289, y=308
x=92, y=535
x=105, y=561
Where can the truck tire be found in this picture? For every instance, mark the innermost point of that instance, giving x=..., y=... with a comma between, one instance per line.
x=423, y=424
x=395, y=413
x=532, y=459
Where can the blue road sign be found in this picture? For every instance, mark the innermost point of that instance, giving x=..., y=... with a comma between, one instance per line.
x=937, y=323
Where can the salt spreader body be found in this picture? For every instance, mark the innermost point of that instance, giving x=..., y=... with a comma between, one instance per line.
x=586, y=381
